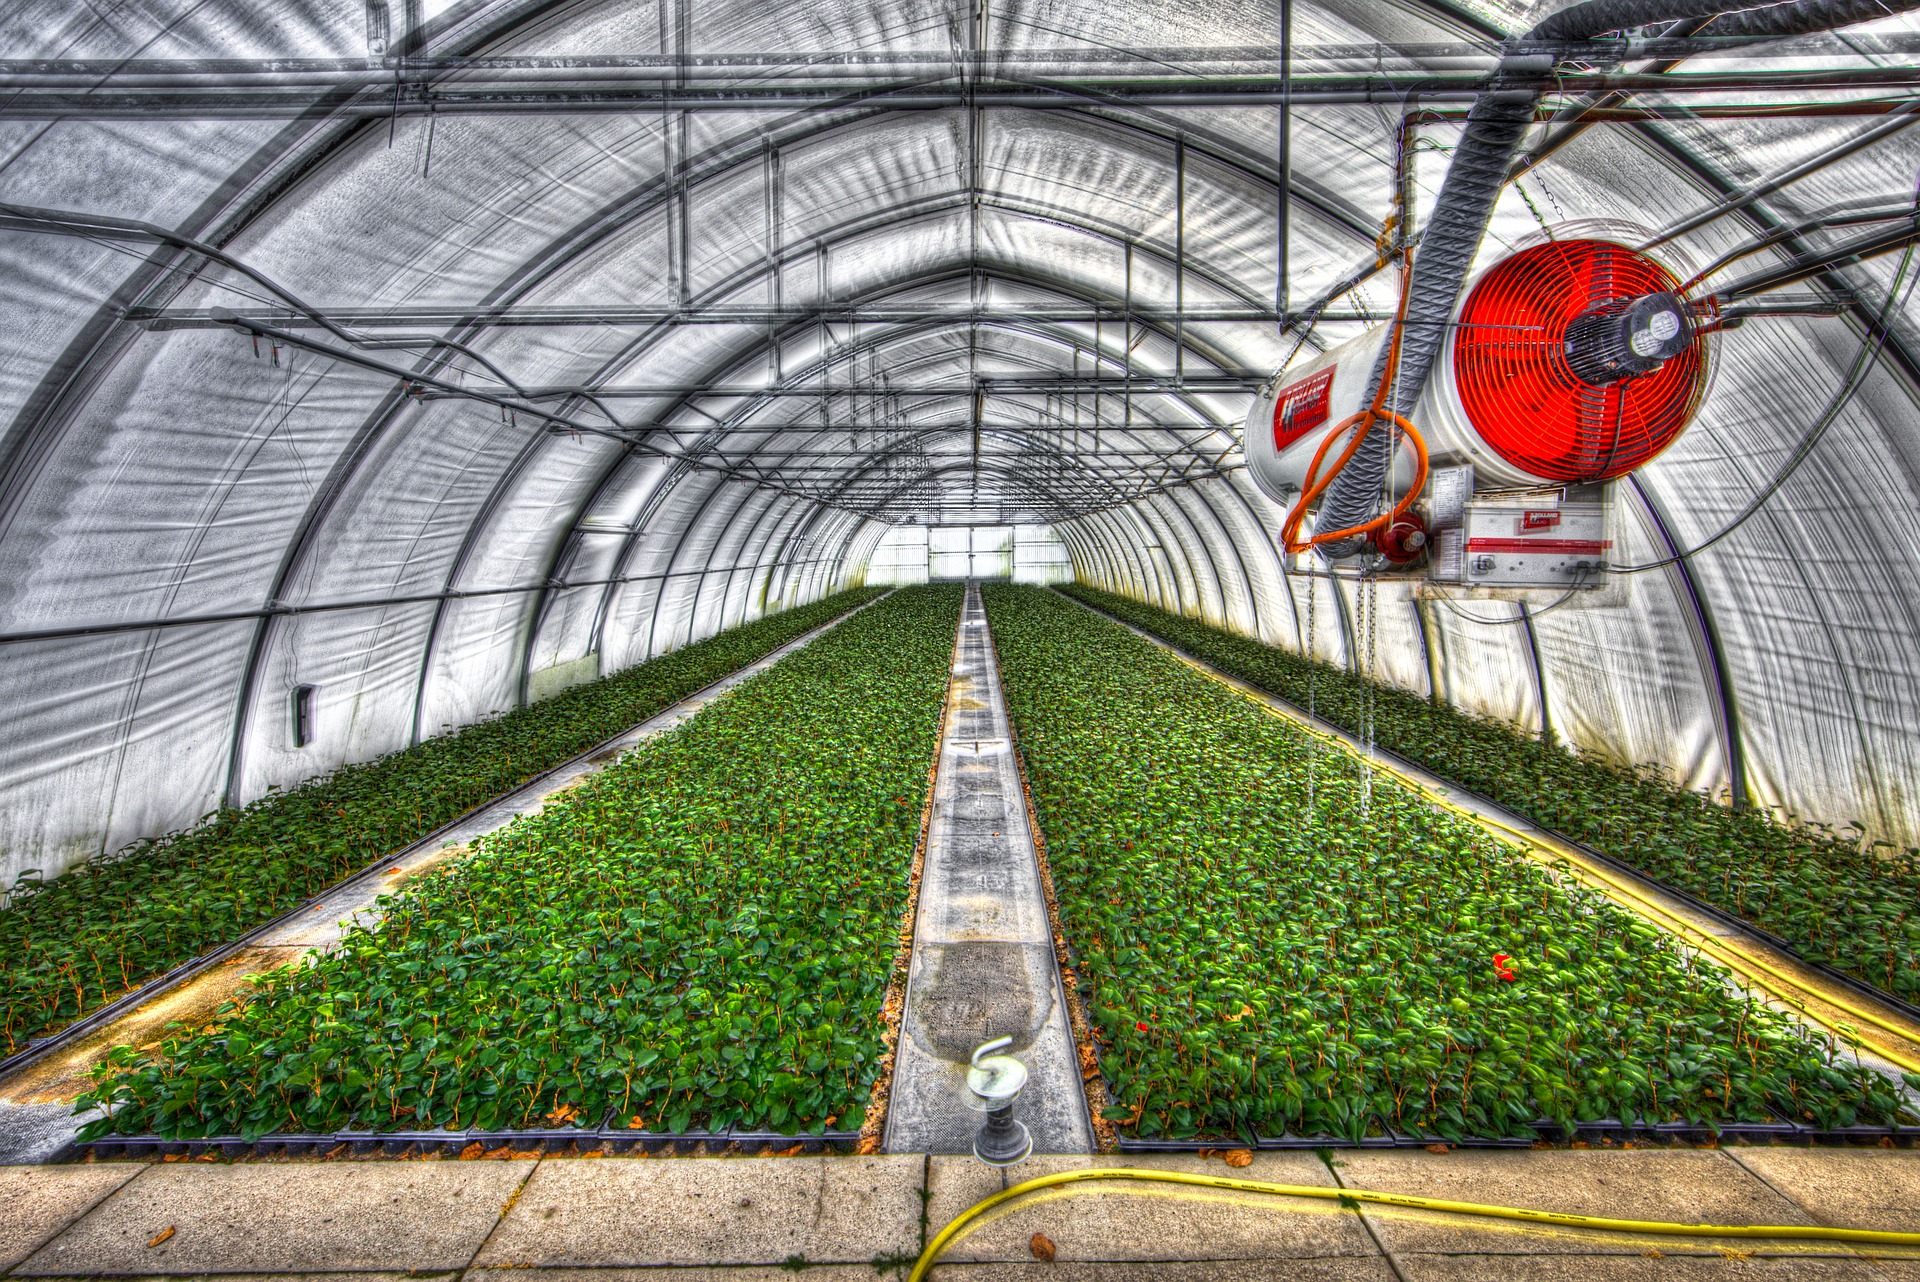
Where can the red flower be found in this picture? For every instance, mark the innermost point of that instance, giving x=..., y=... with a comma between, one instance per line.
x=1141, y=1027
x=1500, y=968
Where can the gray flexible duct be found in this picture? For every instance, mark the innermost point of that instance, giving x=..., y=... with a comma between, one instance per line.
x=1499, y=120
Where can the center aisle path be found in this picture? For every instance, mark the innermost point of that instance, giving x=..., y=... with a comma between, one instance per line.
x=983, y=964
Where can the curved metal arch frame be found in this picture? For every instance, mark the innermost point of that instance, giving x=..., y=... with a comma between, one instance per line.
x=1213, y=577
x=845, y=351
x=294, y=167
x=1239, y=559
x=1718, y=678
x=596, y=492
x=1124, y=506
x=700, y=581
x=382, y=416
x=1255, y=627
x=1145, y=573
x=743, y=553
x=667, y=191
x=1714, y=676
x=899, y=332
x=1440, y=7
x=1154, y=525
x=694, y=522
x=1033, y=329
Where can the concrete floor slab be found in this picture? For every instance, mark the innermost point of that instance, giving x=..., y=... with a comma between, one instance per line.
x=317, y=1218
x=1350, y=1268
x=703, y=1211
x=1146, y=1222
x=704, y=1273
x=1858, y=1188
x=983, y=965
x=65, y=1073
x=1631, y=1268
x=1684, y=1185
x=449, y=1276
x=40, y=1201
x=37, y=1132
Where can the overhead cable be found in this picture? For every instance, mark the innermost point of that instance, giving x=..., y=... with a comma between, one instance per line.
x=1870, y=346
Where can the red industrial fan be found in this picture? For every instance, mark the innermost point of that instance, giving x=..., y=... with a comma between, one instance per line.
x=1576, y=360
x=1571, y=361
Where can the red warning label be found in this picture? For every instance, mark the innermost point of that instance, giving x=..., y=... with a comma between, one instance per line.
x=1301, y=407
x=1547, y=520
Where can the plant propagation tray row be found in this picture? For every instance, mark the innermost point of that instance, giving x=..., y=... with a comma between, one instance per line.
x=1274, y=947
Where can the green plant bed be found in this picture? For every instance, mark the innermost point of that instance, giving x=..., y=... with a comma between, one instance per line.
x=702, y=934
x=1271, y=943
x=1855, y=910
x=71, y=944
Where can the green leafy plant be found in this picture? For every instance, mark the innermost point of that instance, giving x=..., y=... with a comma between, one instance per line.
x=1856, y=910
x=71, y=944
x=1272, y=942
x=701, y=934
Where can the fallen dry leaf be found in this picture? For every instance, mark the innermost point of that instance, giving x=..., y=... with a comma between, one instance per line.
x=1439, y=1148
x=472, y=1151
x=867, y=1146
x=1238, y=1157
x=1041, y=1246
x=792, y=1152
x=562, y=1114
x=160, y=1237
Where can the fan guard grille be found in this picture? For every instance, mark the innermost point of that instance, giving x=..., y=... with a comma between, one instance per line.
x=1510, y=365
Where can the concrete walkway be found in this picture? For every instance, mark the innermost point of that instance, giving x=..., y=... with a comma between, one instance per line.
x=36, y=1101
x=759, y=1218
x=983, y=964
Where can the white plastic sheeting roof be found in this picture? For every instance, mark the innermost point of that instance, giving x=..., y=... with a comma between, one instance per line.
x=193, y=521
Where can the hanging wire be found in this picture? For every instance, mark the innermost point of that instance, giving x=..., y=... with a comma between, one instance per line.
x=1863, y=364
x=1579, y=581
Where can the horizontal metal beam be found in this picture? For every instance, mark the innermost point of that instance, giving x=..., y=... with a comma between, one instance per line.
x=1155, y=62
x=533, y=316
x=1036, y=385
x=359, y=603
x=396, y=96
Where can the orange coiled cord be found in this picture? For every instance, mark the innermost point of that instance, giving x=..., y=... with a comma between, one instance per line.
x=1362, y=424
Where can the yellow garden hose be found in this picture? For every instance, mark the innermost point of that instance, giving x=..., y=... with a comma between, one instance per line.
x=1739, y=960
x=1878, y=1237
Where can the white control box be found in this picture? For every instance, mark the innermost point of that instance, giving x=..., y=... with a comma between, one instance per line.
x=1534, y=542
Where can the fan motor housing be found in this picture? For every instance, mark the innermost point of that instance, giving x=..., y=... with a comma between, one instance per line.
x=1570, y=362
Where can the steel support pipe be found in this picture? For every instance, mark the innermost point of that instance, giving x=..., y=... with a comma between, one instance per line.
x=400, y=98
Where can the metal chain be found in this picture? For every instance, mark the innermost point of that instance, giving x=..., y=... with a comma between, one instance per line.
x=1313, y=685
x=1370, y=598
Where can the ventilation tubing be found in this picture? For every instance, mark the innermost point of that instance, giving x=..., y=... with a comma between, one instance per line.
x=1499, y=120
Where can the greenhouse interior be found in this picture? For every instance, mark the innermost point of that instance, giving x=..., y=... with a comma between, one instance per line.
x=970, y=639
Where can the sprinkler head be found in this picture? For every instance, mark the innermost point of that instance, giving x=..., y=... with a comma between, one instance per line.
x=993, y=1082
